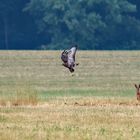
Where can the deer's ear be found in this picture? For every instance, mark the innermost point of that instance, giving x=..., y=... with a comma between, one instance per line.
x=136, y=86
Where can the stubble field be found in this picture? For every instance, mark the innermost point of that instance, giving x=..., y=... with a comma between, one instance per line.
x=40, y=99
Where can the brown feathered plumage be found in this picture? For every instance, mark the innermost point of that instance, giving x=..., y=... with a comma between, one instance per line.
x=68, y=58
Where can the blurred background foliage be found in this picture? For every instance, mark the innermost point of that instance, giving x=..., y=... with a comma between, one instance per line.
x=56, y=24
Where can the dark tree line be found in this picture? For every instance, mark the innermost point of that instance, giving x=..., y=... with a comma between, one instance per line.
x=56, y=24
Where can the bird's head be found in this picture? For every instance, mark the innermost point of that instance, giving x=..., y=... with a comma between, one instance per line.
x=71, y=70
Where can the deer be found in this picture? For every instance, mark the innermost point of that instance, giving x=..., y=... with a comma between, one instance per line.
x=138, y=91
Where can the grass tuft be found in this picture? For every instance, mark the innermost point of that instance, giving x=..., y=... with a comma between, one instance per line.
x=19, y=97
x=25, y=96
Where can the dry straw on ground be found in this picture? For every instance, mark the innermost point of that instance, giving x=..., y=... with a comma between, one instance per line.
x=41, y=100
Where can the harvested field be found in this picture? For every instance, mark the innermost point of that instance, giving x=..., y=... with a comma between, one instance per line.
x=40, y=99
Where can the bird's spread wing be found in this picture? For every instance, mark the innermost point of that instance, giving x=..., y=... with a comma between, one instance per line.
x=72, y=53
x=64, y=56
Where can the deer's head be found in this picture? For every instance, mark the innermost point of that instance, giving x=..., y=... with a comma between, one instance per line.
x=138, y=91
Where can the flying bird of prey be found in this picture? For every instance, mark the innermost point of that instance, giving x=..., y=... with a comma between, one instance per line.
x=68, y=58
